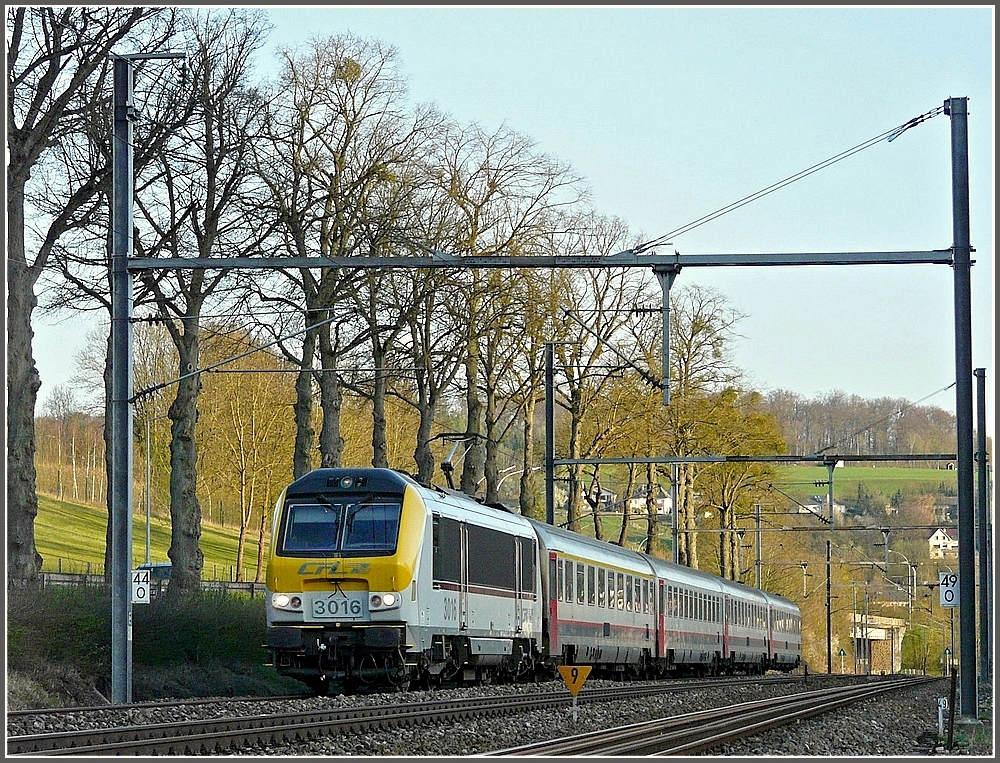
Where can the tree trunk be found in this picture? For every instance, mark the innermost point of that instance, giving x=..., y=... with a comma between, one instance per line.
x=527, y=493
x=380, y=451
x=652, y=520
x=627, y=506
x=331, y=444
x=23, y=382
x=691, y=538
x=259, y=576
x=473, y=467
x=185, y=511
x=304, y=432
x=423, y=456
x=573, y=487
x=491, y=469
x=595, y=505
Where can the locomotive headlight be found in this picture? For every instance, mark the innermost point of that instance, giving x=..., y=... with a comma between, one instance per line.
x=383, y=601
x=284, y=601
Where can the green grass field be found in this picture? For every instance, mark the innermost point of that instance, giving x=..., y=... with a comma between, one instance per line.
x=71, y=536
x=799, y=481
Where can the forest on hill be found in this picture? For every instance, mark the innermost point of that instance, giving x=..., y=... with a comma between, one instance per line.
x=849, y=424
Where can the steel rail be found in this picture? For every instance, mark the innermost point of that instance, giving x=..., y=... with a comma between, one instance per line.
x=198, y=736
x=706, y=729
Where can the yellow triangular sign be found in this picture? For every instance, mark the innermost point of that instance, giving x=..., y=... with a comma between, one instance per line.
x=574, y=676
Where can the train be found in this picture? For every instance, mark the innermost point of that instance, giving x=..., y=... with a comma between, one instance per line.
x=377, y=582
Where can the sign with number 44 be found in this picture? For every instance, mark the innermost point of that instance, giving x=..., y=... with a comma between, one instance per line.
x=140, y=586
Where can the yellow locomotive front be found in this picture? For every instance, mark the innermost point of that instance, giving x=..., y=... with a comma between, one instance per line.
x=340, y=576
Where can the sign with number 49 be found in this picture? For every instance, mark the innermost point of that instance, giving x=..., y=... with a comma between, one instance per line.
x=948, y=584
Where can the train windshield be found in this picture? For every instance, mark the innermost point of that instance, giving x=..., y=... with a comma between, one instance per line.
x=353, y=527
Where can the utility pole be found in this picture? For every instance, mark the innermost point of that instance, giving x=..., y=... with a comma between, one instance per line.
x=985, y=549
x=550, y=435
x=757, y=549
x=121, y=406
x=829, y=614
x=120, y=424
x=957, y=109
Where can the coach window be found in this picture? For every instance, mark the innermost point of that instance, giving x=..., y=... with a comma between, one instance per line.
x=591, y=586
x=527, y=564
x=601, y=599
x=559, y=581
x=621, y=590
x=581, y=591
x=569, y=582
x=447, y=549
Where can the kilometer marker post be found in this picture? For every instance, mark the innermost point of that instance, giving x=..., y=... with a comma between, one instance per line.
x=574, y=676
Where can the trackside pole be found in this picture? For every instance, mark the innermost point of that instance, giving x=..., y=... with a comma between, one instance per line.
x=957, y=109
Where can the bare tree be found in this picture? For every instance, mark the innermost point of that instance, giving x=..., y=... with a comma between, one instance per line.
x=597, y=309
x=340, y=144
x=203, y=202
x=504, y=192
x=57, y=60
x=249, y=427
x=701, y=330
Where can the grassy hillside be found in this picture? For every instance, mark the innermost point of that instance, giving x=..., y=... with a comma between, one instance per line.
x=799, y=481
x=71, y=536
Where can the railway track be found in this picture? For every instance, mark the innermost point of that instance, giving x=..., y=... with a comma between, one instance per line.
x=701, y=731
x=224, y=734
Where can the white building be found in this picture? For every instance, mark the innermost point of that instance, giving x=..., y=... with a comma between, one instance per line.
x=941, y=544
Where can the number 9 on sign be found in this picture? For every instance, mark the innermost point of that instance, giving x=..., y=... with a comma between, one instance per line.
x=948, y=584
x=140, y=586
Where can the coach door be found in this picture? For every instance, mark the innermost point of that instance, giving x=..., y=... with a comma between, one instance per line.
x=518, y=584
x=727, y=620
x=463, y=586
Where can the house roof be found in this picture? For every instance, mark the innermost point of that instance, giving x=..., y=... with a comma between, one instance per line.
x=943, y=532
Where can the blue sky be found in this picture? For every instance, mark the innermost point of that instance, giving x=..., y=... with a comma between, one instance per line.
x=671, y=113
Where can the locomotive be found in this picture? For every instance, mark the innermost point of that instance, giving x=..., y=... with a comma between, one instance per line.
x=376, y=581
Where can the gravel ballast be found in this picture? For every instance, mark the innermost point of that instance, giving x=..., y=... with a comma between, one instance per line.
x=903, y=724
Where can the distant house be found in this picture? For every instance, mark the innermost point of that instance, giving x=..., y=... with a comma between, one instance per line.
x=817, y=504
x=941, y=544
x=637, y=503
x=604, y=499
x=946, y=508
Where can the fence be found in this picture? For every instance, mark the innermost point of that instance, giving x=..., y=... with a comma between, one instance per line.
x=226, y=587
